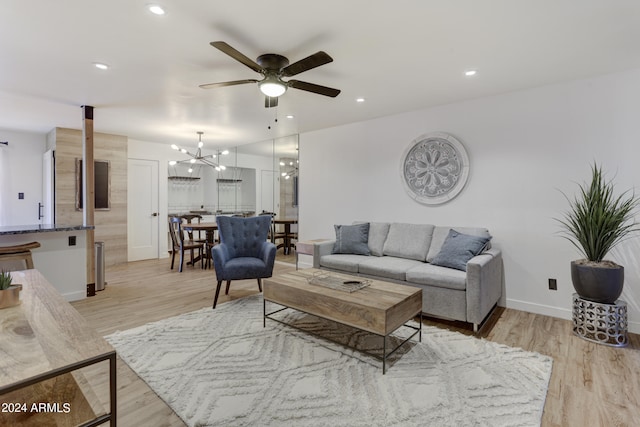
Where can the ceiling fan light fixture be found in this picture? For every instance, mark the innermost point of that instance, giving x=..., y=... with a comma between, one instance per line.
x=272, y=87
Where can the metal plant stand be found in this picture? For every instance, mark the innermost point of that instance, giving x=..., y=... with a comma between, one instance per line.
x=600, y=323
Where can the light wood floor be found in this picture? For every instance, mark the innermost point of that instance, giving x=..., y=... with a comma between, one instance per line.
x=591, y=385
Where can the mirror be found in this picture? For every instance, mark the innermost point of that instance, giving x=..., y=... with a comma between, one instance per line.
x=257, y=177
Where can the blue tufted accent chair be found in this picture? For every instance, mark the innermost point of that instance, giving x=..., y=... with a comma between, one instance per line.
x=243, y=252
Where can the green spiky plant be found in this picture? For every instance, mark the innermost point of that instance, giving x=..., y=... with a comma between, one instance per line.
x=5, y=280
x=598, y=219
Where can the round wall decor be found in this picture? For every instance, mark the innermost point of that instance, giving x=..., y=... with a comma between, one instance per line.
x=435, y=168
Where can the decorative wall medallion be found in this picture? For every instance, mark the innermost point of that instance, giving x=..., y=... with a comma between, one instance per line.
x=435, y=168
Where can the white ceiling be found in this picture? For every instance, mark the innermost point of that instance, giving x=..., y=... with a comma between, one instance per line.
x=400, y=55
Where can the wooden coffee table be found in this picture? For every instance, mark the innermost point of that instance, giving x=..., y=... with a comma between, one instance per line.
x=379, y=308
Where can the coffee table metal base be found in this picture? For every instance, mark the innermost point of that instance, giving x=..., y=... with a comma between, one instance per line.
x=385, y=355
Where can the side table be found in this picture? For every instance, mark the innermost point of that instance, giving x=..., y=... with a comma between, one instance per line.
x=600, y=323
x=305, y=247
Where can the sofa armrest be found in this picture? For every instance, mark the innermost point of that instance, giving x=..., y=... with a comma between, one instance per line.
x=484, y=284
x=320, y=249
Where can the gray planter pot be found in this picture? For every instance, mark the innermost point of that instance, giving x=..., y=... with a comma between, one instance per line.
x=597, y=284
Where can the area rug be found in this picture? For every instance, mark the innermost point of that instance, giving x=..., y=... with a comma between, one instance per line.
x=223, y=368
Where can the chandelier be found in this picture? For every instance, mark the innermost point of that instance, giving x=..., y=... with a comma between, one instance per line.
x=197, y=157
x=288, y=168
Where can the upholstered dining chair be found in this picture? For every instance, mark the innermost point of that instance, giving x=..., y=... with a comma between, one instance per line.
x=180, y=244
x=243, y=252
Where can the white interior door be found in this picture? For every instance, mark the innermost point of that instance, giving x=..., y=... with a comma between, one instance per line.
x=142, y=201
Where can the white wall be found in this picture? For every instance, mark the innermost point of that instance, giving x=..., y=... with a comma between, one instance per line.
x=524, y=148
x=21, y=164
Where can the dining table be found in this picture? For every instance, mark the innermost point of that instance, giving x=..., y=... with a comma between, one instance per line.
x=210, y=229
x=288, y=235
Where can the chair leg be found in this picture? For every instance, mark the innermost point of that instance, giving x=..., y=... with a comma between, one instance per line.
x=173, y=257
x=226, y=292
x=260, y=284
x=181, y=259
x=215, y=299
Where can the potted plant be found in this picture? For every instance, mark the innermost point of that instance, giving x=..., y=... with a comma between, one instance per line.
x=596, y=222
x=9, y=294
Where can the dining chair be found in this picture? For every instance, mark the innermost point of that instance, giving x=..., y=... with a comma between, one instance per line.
x=243, y=252
x=188, y=219
x=180, y=244
x=272, y=226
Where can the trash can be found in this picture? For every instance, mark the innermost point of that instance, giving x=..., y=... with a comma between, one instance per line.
x=100, y=283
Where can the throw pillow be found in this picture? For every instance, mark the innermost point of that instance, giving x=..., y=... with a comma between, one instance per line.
x=352, y=239
x=459, y=248
x=377, y=235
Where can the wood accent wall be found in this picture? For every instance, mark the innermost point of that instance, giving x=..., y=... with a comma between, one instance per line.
x=111, y=225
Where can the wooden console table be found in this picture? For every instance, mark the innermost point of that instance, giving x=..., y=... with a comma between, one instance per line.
x=43, y=338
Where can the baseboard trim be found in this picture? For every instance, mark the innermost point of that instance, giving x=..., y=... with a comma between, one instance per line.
x=562, y=313
x=74, y=296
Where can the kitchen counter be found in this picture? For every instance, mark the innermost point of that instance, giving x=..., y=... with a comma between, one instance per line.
x=61, y=257
x=41, y=228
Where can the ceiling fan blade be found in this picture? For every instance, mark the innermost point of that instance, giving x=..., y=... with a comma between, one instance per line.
x=270, y=101
x=310, y=87
x=232, y=83
x=224, y=47
x=308, y=63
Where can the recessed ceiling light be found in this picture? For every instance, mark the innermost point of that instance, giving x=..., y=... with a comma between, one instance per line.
x=359, y=99
x=101, y=65
x=290, y=116
x=156, y=9
x=470, y=73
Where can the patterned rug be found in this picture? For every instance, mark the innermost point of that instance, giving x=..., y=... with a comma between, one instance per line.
x=222, y=368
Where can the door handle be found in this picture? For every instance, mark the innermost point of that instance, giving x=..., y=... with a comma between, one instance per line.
x=154, y=214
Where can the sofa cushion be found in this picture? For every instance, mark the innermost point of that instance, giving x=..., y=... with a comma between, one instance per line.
x=409, y=241
x=433, y=275
x=352, y=239
x=441, y=233
x=377, y=235
x=387, y=267
x=458, y=248
x=343, y=262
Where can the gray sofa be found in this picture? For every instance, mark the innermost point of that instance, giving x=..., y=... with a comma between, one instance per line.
x=408, y=254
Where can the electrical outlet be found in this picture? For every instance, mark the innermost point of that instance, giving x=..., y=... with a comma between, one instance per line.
x=72, y=240
x=21, y=196
x=553, y=284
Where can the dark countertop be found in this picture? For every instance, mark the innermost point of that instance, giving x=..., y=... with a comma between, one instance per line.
x=41, y=228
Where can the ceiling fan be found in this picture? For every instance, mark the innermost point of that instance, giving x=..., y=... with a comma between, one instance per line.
x=273, y=68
